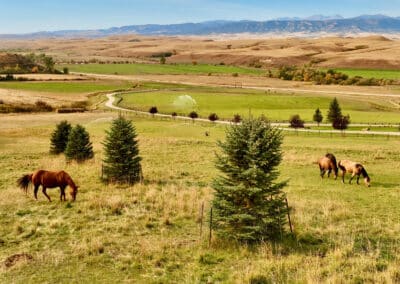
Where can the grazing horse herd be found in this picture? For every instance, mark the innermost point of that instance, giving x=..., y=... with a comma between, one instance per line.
x=328, y=164
x=61, y=179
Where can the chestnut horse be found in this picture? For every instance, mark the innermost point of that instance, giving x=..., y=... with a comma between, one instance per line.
x=356, y=169
x=48, y=179
x=328, y=163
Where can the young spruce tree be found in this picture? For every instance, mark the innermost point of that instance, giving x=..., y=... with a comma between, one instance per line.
x=249, y=204
x=59, y=138
x=334, y=111
x=317, y=117
x=122, y=160
x=79, y=147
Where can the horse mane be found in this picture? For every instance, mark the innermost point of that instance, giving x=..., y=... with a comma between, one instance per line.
x=69, y=180
x=363, y=171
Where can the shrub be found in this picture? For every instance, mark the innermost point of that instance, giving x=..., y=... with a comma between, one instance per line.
x=153, y=110
x=341, y=123
x=296, y=122
x=174, y=114
x=65, y=70
x=122, y=160
x=237, y=118
x=213, y=117
x=79, y=147
x=59, y=137
x=193, y=115
x=248, y=202
x=43, y=106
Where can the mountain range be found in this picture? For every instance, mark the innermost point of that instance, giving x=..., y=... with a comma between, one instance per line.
x=314, y=24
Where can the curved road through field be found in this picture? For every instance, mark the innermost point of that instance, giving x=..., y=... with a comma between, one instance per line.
x=111, y=99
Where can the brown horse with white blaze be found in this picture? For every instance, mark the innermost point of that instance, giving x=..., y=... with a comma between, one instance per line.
x=356, y=169
x=48, y=179
x=328, y=163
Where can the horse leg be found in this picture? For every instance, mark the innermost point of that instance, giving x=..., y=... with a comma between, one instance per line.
x=351, y=178
x=343, y=173
x=45, y=193
x=321, y=172
x=329, y=173
x=35, y=191
x=358, y=177
x=62, y=193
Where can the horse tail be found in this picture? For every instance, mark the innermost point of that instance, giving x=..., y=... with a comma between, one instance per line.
x=24, y=181
x=333, y=159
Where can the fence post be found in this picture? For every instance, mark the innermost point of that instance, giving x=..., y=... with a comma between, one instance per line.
x=211, y=219
x=288, y=214
x=201, y=218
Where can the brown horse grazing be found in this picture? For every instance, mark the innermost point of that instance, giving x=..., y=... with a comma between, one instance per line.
x=328, y=163
x=356, y=169
x=48, y=179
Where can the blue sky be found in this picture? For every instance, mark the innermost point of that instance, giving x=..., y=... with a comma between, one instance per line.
x=22, y=16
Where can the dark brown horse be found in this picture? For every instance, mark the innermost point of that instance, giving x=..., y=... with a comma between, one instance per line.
x=356, y=169
x=48, y=179
x=328, y=163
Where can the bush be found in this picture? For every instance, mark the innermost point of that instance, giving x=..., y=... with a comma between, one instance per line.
x=213, y=117
x=43, y=106
x=296, y=122
x=79, y=147
x=193, y=115
x=341, y=123
x=174, y=114
x=65, y=70
x=153, y=110
x=237, y=118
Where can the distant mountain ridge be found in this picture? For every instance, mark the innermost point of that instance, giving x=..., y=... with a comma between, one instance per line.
x=314, y=24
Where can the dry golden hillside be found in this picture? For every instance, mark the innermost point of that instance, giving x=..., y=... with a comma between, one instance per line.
x=362, y=52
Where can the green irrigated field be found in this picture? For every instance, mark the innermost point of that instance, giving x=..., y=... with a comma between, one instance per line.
x=150, y=233
x=277, y=106
x=145, y=68
x=371, y=73
x=66, y=87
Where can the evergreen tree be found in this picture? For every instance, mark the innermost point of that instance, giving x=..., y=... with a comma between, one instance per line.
x=79, y=147
x=318, y=116
x=248, y=202
x=334, y=111
x=59, y=137
x=122, y=160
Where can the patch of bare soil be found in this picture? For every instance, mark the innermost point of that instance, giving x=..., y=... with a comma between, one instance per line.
x=17, y=258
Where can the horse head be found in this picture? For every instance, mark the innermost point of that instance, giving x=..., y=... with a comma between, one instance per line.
x=73, y=192
x=367, y=181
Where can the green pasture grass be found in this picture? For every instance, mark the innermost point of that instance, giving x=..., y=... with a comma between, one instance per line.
x=278, y=107
x=146, y=68
x=66, y=86
x=150, y=233
x=371, y=73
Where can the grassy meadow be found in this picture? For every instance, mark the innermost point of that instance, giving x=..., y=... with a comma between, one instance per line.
x=156, y=68
x=65, y=87
x=371, y=73
x=150, y=233
x=276, y=106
